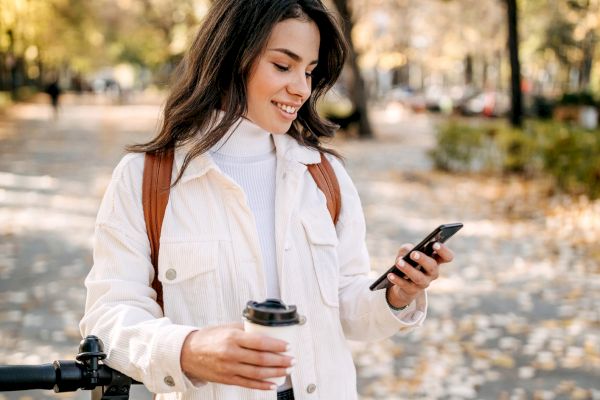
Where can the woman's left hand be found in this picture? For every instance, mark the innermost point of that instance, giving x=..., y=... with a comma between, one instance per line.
x=404, y=291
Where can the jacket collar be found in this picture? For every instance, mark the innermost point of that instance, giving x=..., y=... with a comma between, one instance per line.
x=286, y=147
x=197, y=167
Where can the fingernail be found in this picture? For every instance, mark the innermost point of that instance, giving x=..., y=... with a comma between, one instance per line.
x=288, y=347
x=415, y=255
x=401, y=263
x=437, y=246
x=288, y=371
x=273, y=387
x=293, y=362
x=391, y=277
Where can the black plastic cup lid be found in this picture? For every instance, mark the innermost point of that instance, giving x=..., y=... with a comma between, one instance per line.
x=271, y=312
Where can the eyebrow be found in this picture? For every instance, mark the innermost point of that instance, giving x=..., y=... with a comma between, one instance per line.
x=293, y=55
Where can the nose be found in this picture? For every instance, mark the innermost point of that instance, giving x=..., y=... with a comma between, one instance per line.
x=300, y=86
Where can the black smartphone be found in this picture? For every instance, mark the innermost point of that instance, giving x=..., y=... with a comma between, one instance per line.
x=440, y=234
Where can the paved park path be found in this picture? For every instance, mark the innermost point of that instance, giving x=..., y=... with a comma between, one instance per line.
x=516, y=316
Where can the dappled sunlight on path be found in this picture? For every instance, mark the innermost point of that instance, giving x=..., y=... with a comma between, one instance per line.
x=52, y=176
x=515, y=316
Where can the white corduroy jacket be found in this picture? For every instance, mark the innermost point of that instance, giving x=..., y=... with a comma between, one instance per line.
x=210, y=266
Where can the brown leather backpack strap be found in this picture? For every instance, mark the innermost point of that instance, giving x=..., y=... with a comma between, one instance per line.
x=155, y=196
x=324, y=176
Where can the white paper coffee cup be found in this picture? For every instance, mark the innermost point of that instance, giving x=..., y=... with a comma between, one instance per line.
x=273, y=318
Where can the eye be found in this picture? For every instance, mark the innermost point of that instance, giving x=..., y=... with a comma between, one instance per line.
x=309, y=74
x=282, y=68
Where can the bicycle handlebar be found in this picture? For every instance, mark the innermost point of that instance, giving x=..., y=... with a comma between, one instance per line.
x=68, y=375
x=25, y=377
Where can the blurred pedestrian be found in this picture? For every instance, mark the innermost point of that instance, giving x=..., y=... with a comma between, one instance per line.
x=54, y=91
x=245, y=221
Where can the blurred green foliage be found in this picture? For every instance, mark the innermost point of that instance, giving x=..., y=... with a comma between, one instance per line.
x=583, y=98
x=85, y=36
x=566, y=152
x=5, y=101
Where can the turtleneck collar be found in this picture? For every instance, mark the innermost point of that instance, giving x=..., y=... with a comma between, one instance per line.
x=244, y=139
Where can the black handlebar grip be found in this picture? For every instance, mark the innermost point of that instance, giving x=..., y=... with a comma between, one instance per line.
x=26, y=377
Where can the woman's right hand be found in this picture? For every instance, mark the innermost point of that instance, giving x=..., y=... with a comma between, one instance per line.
x=226, y=354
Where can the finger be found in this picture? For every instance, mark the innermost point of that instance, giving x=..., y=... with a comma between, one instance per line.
x=264, y=358
x=251, y=383
x=404, y=249
x=405, y=285
x=256, y=341
x=445, y=255
x=429, y=264
x=260, y=373
x=418, y=277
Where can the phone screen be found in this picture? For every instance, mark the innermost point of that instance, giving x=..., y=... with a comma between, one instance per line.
x=439, y=234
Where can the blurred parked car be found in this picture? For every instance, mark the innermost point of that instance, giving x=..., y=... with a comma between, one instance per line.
x=448, y=99
x=488, y=103
x=406, y=97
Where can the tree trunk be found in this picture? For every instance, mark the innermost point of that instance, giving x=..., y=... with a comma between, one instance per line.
x=585, y=71
x=468, y=69
x=357, y=90
x=516, y=115
x=484, y=73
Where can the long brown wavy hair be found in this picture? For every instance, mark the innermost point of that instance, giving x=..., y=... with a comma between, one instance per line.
x=214, y=72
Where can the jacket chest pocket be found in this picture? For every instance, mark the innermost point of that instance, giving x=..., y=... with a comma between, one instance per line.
x=191, y=283
x=323, y=241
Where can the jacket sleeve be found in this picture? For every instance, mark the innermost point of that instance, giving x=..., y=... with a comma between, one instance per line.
x=121, y=306
x=365, y=315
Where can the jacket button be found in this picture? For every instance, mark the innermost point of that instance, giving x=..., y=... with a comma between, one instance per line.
x=171, y=274
x=311, y=388
x=169, y=381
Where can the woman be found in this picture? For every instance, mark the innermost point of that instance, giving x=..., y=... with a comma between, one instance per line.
x=245, y=221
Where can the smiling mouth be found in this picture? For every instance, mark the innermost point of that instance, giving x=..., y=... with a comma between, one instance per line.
x=285, y=108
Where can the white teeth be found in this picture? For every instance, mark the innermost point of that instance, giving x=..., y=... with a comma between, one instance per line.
x=287, y=109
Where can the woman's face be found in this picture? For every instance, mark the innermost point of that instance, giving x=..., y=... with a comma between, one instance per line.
x=280, y=80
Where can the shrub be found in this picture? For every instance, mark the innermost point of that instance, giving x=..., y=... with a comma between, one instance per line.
x=490, y=147
x=566, y=152
x=5, y=101
x=542, y=107
x=572, y=157
x=457, y=146
x=578, y=99
x=25, y=93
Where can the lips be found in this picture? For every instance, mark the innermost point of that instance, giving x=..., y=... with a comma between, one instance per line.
x=290, y=109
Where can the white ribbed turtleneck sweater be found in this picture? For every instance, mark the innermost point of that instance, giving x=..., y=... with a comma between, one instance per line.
x=247, y=155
